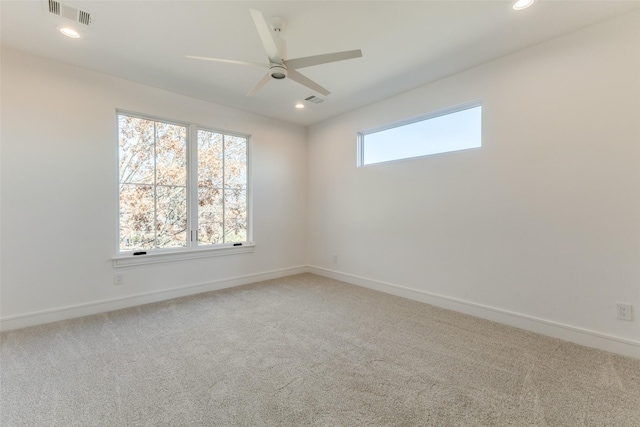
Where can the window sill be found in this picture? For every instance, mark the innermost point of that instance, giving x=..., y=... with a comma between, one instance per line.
x=162, y=257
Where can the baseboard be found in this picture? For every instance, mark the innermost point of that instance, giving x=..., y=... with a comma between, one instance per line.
x=70, y=312
x=569, y=333
x=613, y=344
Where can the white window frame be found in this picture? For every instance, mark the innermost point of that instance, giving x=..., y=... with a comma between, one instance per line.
x=193, y=250
x=406, y=122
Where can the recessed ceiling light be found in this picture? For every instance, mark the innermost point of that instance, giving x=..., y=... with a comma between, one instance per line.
x=522, y=4
x=70, y=32
x=299, y=105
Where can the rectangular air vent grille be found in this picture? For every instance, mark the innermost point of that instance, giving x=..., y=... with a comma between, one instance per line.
x=70, y=12
x=54, y=7
x=314, y=99
x=84, y=17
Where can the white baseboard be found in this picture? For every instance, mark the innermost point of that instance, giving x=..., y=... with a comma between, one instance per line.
x=70, y=312
x=613, y=344
x=570, y=333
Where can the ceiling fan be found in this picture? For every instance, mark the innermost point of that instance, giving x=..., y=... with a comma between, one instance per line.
x=280, y=67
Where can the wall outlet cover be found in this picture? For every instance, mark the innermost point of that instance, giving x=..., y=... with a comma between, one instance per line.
x=623, y=311
x=118, y=279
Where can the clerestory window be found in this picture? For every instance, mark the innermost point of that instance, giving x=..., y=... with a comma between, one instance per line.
x=452, y=129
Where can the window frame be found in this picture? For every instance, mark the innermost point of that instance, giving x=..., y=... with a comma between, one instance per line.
x=360, y=161
x=194, y=249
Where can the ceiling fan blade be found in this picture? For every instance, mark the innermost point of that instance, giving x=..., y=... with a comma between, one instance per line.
x=293, y=64
x=259, y=85
x=229, y=61
x=305, y=81
x=266, y=36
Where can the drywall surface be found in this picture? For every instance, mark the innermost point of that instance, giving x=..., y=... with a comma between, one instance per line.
x=59, y=188
x=543, y=221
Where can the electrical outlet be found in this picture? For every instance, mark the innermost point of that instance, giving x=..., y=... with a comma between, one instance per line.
x=334, y=259
x=118, y=279
x=624, y=311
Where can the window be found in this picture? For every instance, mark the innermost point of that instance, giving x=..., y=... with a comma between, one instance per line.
x=181, y=187
x=453, y=129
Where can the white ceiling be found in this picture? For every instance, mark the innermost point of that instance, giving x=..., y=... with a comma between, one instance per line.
x=405, y=44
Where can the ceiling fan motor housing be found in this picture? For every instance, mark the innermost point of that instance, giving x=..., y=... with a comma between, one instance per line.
x=278, y=71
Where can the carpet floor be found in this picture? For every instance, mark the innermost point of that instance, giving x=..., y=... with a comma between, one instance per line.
x=305, y=350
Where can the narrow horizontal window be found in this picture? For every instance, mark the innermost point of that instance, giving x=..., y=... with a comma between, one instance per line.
x=453, y=129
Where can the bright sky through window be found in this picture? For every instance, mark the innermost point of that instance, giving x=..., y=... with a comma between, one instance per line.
x=432, y=134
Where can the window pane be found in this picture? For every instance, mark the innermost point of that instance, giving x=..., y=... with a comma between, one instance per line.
x=171, y=154
x=235, y=225
x=136, y=140
x=209, y=159
x=153, y=153
x=222, y=192
x=235, y=162
x=210, y=217
x=455, y=131
x=136, y=217
x=171, y=221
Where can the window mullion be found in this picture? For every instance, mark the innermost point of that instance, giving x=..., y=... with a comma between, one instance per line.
x=192, y=186
x=224, y=185
x=155, y=184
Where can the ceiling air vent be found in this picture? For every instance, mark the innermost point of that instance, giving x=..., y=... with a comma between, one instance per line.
x=315, y=99
x=70, y=12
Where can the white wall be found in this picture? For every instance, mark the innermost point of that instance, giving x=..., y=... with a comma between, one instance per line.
x=59, y=202
x=539, y=226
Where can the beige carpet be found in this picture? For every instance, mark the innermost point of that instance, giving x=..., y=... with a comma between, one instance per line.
x=305, y=350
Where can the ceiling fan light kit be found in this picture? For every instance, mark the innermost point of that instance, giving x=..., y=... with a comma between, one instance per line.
x=280, y=67
x=278, y=71
x=522, y=4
